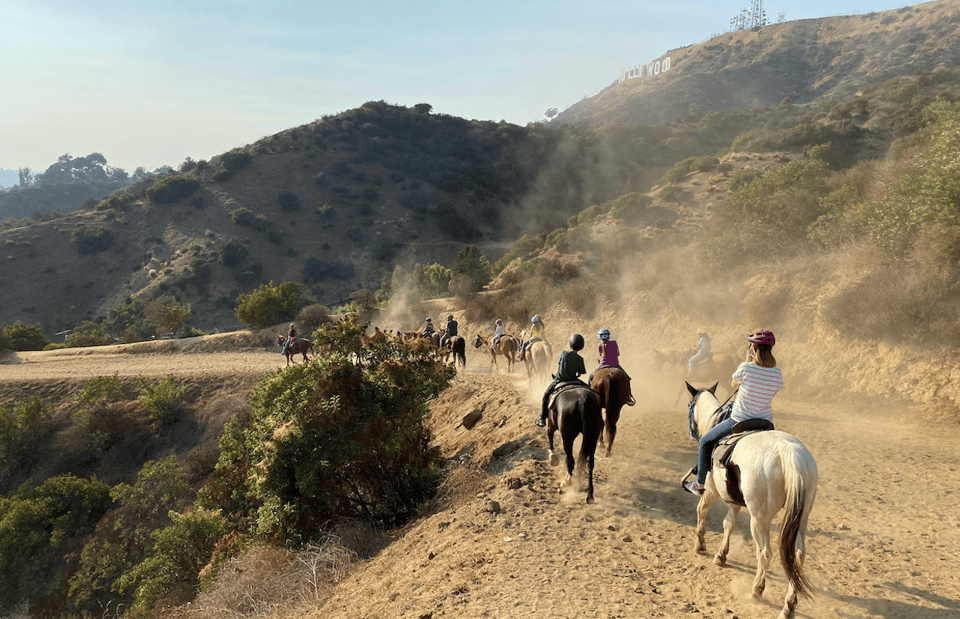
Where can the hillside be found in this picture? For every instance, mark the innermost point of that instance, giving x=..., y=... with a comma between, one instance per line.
x=830, y=58
x=336, y=205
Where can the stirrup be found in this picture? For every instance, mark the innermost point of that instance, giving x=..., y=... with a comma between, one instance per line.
x=691, y=473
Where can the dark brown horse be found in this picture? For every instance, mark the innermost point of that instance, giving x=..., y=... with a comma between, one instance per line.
x=613, y=385
x=298, y=346
x=507, y=347
x=575, y=411
x=457, y=346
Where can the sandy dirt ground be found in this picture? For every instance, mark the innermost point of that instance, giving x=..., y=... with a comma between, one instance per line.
x=883, y=534
x=882, y=540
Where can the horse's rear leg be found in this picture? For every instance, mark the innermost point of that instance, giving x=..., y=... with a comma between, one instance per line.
x=591, y=459
x=610, y=428
x=760, y=529
x=728, y=524
x=571, y=462
x=554, y=460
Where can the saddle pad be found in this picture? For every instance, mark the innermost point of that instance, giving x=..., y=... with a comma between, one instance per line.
x=724, y=448
x=564, y=386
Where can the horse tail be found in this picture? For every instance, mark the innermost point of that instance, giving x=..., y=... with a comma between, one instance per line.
x=800, y=477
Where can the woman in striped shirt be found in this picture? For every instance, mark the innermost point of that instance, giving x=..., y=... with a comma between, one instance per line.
x=757, y=380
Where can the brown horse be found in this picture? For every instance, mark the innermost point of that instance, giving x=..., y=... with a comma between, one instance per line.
x=458, y=347
x=575, y=411
x=507, y=347
x=613, y=385
x=297, y=346
x=718, y=369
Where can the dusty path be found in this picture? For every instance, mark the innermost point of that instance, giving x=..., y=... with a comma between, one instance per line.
x=882, y=541
x=883, y=536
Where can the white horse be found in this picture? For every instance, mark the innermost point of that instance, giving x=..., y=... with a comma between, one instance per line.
x=774, y=470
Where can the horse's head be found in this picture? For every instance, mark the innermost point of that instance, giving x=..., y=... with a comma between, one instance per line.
x=704, y=410
x=479, y=341
x=280, y=340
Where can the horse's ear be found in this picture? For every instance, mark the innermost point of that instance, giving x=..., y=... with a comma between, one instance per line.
x=713, y=389
x=691, y=388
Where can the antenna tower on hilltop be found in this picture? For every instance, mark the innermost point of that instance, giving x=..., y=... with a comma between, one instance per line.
x=754, y=17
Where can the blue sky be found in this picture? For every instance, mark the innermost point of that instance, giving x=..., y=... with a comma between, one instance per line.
x=151, y=83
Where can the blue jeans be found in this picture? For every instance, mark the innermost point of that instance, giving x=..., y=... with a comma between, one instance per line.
x=707, y=442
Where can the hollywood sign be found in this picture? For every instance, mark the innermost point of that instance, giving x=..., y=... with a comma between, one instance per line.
x=646, y=70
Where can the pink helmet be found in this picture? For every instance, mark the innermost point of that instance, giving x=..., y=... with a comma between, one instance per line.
x=763, y=337
x=499, y=322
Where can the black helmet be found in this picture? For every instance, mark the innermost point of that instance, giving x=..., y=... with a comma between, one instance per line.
x=576, y=341
x=449, y=316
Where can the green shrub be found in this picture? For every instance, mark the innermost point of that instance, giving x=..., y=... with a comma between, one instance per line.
x=114, y=551
x=235, y=159
x=631, y=207
x=522, y=248
x=87, y=333
x=589, y=214
x=91, y=240
x=288, y=201
x=169, y=315
x=243, y=216
x=173, y=188
x=163, y=399
x=743, y=178
x=99, y=393
x=671, y=193
x=38, y=527
x=270, y=304
x=232, y=253
x=311, y=317
x=177, y=554
x=19, y=336
x=20, y=425
x=557, y=238
x=344, y=437
x=472, y=265
x=431, y=281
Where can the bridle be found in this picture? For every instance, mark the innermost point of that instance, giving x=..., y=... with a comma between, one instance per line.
x=691, y=417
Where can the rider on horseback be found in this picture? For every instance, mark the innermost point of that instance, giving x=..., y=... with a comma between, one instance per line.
x=702, y=352
x=536, y=335
x=569, y=370
x=757, y=380
x=497, y=335
x=450, y=331
x=610, y=358
x=291, y=335
x=427, y=328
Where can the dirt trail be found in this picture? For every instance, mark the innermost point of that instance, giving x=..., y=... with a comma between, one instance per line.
x=882, y=538
x=883, y=535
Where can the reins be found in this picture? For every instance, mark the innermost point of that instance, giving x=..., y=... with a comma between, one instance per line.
x=694, y=429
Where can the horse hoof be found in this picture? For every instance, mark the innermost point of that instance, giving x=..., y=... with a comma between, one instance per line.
x=718, y=560
x=590, y=500
x=554, y=460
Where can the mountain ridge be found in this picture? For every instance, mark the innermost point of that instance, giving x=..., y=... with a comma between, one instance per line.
x=803, y=60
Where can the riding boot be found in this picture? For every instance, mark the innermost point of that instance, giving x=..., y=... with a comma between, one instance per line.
x=542, y=419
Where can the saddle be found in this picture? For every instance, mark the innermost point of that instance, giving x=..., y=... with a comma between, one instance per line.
x=724, y=447
x=564, y=386
x=723, y=451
